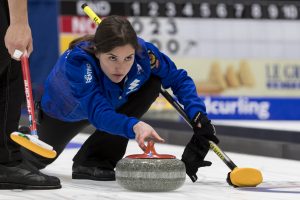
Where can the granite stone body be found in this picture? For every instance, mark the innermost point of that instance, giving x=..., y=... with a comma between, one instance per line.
x=150, y=175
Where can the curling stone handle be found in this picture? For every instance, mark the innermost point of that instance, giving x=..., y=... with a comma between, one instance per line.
x=150, y=148
x=150, y=153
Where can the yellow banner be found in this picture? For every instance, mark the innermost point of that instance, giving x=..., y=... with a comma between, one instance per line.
x=260, y=78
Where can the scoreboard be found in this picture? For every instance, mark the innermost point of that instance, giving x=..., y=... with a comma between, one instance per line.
x=234, y=9
x=193, y=28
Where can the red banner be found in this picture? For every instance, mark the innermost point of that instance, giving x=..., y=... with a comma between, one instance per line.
x=77, y=25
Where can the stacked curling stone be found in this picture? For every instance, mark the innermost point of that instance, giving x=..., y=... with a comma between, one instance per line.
x=150, y=172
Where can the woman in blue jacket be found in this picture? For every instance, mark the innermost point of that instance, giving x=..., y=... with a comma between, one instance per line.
x=109, y=80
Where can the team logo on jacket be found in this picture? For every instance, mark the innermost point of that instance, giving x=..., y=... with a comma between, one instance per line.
x=133, y=86
x=88, y=76
x=154, y=62
x=139, y=69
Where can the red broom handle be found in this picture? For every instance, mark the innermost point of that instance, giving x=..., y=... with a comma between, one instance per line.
x=28, y=93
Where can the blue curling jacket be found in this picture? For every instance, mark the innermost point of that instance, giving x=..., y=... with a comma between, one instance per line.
x=77, y=89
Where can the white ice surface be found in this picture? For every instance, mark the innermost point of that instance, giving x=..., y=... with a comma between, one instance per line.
x=281, y=180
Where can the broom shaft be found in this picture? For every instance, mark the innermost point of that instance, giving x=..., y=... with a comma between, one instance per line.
x=28, y=93
x=213, y=146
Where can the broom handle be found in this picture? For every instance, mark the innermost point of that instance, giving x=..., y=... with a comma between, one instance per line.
x=93, y=16
x=212, y=145
x=28, y=93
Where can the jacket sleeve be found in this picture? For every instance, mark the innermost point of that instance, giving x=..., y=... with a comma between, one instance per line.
x=86, y=90
x=182, y=85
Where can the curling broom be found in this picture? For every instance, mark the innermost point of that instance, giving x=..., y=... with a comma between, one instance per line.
x=238, y=177
x=31, y=141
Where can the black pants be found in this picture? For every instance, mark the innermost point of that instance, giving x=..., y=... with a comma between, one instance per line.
x=11, y=94
x=100, y=149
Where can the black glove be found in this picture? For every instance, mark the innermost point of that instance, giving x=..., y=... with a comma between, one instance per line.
x=193, y=157
x=196, y=150
x=207, y=131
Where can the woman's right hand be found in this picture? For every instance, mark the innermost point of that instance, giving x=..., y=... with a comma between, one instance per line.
x=144, y=131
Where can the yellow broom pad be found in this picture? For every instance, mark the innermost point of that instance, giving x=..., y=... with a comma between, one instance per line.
x=33, y=144
x=246, y=177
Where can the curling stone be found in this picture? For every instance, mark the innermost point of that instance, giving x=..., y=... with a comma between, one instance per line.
x=150, y=172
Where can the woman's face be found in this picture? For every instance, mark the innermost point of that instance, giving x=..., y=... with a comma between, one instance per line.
x=117, y=62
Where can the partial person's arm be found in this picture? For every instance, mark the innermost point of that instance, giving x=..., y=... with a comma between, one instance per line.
x=18, y=35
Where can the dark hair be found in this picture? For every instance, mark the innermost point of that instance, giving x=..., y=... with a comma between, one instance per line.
x=113, y=31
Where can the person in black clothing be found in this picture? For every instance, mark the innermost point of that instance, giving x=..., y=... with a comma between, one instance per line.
x=15, y=34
